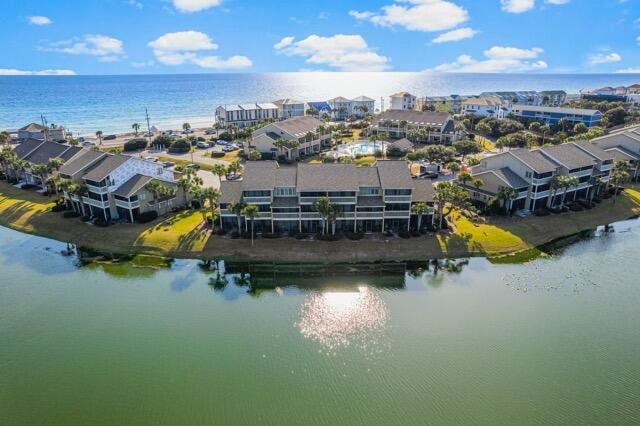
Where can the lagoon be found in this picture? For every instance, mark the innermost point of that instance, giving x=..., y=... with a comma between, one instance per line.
x=463, y=341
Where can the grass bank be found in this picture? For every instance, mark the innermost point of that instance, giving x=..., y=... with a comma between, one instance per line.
x=182, y=235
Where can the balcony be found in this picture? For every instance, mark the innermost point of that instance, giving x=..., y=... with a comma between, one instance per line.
x=96, y=203
x=226, y=212
x=310, y=215
x=257, y=200
x=335, y=200
x=128, y=204
x=397, y=198
x=98, y=189
x=370, y=215
x=400, y=214
x=286, y=216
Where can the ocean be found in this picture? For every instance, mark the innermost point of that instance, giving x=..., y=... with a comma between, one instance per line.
x=84, y=104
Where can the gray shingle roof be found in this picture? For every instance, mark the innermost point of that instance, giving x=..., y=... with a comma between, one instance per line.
x=368, y=177
x=422, y=191
x=230, y=191
x=621, y=154
x=593, y=150
x=70, y=153
x=105, y=166
x=394, y=174
x=286, y=176
x=569, y=155
x=327, y=177
x=403, y=144
x=534, y=159
x=421, y=118
x=33, y=127
x=45, y=152
x=81, y=161
x=506, y=175
x=299, y=126
x=133, y=185
x=26, y=147
x=259, y=175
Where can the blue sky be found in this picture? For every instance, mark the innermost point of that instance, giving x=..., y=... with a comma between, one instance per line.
x=197, y=36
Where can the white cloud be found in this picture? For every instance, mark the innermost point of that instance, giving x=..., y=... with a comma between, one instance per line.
x=604, y=58
x=39, y=20
x=455, y=35
x=417, y=15
x=142, y=64
x=108, y=48
x=183, y=41
x=498, y=59
x=638, y=39
x=138, y=5
x=190, y=6
x=557, y=1
x=632, y=70
x=182, y=47
x=10, y=71
x=340, y=51
x=517, y=6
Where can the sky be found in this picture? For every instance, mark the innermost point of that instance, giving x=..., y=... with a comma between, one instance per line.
x=89, y=37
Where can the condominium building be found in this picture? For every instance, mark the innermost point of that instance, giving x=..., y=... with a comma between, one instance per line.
x=623, y=146
x=39, y=152
x=402, y=101
x=116, y=186
x=552, y=115
x=318, y=109
x=288, y=108
x=437, y=127
x=524, y=97
x=370, y=199
x=245, y=115
x=342, y=107
x=309, y=133
x=37, y=131
x=451, y=103
x=487, y=106
x=530, y=173
x=362, y=106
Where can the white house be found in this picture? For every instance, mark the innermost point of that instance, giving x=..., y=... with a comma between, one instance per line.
x=362, y=106
x=288, y=108
x=487, y=106
x=38, y=131
x=309, y=133
x=342, y=107
x=403, y=100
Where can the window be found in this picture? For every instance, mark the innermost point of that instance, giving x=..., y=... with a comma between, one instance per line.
x=285, y=192
x=397, y=192
x=528, y=174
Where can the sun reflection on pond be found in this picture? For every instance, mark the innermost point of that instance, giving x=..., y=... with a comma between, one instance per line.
x=340, y=318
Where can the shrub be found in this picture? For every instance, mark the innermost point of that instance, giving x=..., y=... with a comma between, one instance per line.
x=100, y=222
x=235, y=235
x=180, y=146
x=271, y=236
x=147, y=216
x=388, y=233
x=200, y=139
x=404, y=234
x=59, y=208
x=85, y=218
x=70, y=213
x=541, y=212
x=196, y=204
x=225, y=136
x=221, y=231
x=415, y=233
x=135, y=144
x=163, y=141
x=329, y=237
x=300, y=236
x=217, y=154
x=354, y=235
x=394, y=151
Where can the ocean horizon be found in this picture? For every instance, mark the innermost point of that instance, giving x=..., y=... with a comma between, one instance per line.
x=86, y=103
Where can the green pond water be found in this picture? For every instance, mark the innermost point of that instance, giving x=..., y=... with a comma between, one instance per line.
x=554, y=341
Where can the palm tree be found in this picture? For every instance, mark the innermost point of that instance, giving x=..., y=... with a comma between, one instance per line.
x=454, y=167
x=135, y=127
x=555, y=184
x=507, y=195
x=99, y=136
x=251, y=212
x=419, y=209
x=465, y=178
x=544, y=129
x=323, y=206
x=185, y=182
x=234, y=168
x=186, y=127
x=41, y=171
x=158, y=191
x=237, y=209
x=212, y=195
x=568, y=182
x=219, y=170
x=4, y=138
x=335, y=211
x=619, y=174
x=197, y=194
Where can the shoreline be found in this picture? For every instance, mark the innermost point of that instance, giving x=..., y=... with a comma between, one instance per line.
x=505, y=240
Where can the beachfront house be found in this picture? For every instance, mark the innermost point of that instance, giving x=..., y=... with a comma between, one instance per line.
x=290, y=139
x=37, y=131
x=553, y=97
x=245, y=115
x=402, y=101
x=342, y=107
x=623, y=146
x=487, y=106
x=39, y=152
x=370, y=199
x=552, y=115
x=117, y=186
x=523, y=97
x=362, y=106
x=531, y=173
x=434, y=127
x=318, y=109
x=288, y=108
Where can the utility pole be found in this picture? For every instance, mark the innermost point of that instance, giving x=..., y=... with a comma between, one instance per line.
x=44, y=124
x=146, y=113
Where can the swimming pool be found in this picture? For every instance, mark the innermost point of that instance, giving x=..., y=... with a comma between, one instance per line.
x=361, y=147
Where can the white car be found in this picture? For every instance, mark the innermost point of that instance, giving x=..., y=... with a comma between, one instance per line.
x=154, y=159
x=202, y=145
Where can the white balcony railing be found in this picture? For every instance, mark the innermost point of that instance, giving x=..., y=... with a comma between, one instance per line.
x=335, y=200
x=98, y=189
x=397, y=198
x=369, y=215
x=286, y=216
x=128, y=204
x=310, y=215
x=397, y=214
x=96, y=203
x=257, y=200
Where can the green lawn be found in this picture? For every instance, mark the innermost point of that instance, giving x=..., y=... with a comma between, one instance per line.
x=182, y=232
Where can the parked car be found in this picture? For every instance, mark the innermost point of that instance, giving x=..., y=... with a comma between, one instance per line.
x=88, y=143
x=221, y=142
x=234, y=176
x=167, y=164
x=229, y=148
x=210, y=131
x=202, y=145
x=193, y=166
x=109, y=137
x=211, y=144
x=154, y=159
